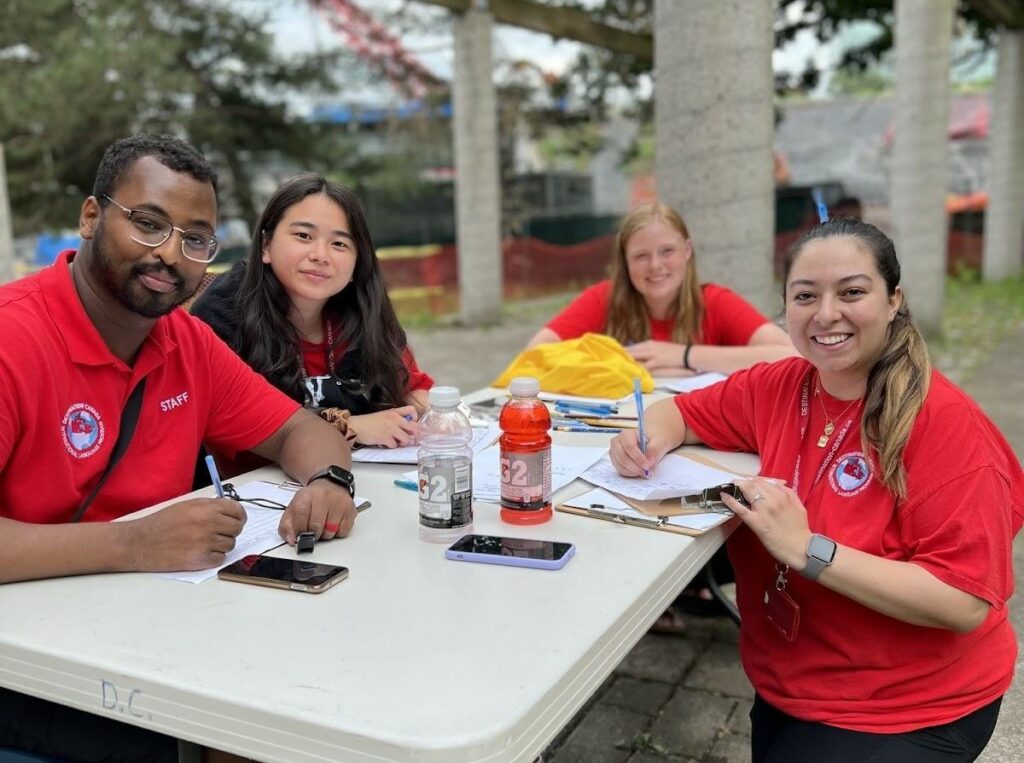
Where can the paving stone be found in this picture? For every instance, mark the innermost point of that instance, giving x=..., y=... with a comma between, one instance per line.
x=729, y=748
x=739, y=722
x=719, y=670
x=659, y=658
x=691, y=722
x=711, y=629
x=605, y=734
x=640, y=696
x=644, y=756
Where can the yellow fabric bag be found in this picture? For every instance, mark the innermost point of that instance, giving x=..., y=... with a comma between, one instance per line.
x=594, y=365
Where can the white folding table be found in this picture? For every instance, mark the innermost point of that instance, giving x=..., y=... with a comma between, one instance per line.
x=413, y=658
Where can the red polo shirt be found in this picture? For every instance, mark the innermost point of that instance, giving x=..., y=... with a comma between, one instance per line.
x=62, y=392
x=851, y=666
x=729, y=320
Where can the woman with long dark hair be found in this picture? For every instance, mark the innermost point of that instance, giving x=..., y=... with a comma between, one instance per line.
x=874, y=561
x=308, y=309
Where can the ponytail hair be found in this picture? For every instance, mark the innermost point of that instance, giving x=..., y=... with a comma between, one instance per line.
x=898, y=381
x=628, y=318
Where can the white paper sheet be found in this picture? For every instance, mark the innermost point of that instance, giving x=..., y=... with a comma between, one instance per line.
x=673, y=476
x=567, y=463
x=482, y=437
x=551, y=397
x=690, y=383
x=608, y=502
x=260, y=531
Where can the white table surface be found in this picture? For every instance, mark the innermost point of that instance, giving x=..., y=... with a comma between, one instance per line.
x=413, y=658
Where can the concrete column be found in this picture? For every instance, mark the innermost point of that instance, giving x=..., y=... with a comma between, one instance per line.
x=477, y=198
x=6, y=232
x=1004, y=217
x=714, y=132
x=920, y=160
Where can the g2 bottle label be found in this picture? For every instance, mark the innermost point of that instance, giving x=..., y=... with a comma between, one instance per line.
x=526, y=480
x=446, y=494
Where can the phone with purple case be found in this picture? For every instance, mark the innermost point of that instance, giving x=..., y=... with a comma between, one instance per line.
x=516, y=552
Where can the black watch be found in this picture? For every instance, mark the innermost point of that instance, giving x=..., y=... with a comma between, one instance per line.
x=338, y=476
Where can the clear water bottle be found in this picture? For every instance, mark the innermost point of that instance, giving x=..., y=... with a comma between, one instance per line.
x=525, y=455
x=445, y=466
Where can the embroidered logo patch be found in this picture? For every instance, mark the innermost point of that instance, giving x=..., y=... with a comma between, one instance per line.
x=82, y=430
x=850, y=474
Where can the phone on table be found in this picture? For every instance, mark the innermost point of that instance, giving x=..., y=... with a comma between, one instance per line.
x=291, y=574
x=517, y=552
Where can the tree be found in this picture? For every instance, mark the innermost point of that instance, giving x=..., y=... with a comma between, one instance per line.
x=75, y=75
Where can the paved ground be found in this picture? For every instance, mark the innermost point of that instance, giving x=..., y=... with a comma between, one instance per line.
x=686, y=698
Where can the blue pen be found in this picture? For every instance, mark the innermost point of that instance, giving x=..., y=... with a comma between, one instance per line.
x=584, y=406
x=638, y=397
x=407, y=485
x=573, y=428
x=215, y=476
x=819, y=201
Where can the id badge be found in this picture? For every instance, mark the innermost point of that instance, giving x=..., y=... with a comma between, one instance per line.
x=782, y=611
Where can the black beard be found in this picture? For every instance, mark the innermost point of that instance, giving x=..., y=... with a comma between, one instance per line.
x=127, y=289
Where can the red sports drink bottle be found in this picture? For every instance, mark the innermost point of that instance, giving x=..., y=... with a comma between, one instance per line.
x=525, y=455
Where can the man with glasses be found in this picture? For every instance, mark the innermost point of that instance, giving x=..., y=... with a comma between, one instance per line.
x=81, y=341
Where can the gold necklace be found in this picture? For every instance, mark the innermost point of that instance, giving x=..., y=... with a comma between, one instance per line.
x=830, y=424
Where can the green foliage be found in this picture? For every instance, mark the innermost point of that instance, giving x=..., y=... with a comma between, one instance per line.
x=75, y=75
x=977, y=315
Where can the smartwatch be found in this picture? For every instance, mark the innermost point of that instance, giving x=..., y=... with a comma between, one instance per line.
x=821, y=552
x=338, y=476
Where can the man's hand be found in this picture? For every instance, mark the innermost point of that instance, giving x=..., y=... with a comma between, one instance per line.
x=192, y=535
x=321, y=507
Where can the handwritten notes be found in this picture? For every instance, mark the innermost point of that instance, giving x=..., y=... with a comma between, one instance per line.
x=482, y=437
x=567, y=463
x=673, y=476
x=690, y=383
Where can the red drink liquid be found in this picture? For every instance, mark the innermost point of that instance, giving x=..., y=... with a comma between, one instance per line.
x=525, y=456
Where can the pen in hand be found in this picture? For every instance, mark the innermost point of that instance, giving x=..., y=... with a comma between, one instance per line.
x=638, y=398
x=214, y=476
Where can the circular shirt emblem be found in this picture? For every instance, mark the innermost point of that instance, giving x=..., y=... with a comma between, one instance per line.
x=82, y=430
x=851, y=474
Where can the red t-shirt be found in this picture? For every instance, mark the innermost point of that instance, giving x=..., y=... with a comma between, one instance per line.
x=729, y=320
x=850, y=666
x=314, y=359
x=62, y=392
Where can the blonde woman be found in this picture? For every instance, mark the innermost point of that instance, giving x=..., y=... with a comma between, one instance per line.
x=873, y=583
x=657, y=308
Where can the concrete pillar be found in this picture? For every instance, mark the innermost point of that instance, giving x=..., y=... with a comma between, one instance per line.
x=920, y=159
x=6, y=232
x=1004, y=217
x=714, y=132
x=477, y=198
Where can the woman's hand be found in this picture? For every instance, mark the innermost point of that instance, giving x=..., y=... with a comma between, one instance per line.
x=777, y=517
x=654, y=355
x=392, y=428
x=665, y=430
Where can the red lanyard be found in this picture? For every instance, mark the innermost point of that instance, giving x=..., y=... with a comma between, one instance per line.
x=805, y=413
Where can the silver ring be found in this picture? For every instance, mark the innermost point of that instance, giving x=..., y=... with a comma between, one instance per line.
x=756, y=498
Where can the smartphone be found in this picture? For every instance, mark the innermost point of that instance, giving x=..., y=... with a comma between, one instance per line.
x=291, y=574
x=517, y=552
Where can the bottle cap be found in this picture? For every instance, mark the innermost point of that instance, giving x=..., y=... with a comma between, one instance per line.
x=524, y=386
x=444, y=397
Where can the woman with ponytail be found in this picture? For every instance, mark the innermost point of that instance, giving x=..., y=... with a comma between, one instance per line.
x=873, y=563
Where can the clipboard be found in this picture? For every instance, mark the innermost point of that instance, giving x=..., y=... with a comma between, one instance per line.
x=601, y=504
x=651, y=522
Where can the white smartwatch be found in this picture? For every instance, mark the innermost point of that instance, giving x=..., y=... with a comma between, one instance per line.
x=821, y=552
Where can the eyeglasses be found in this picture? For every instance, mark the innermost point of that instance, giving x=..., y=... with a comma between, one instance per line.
x=263, y=503
x=153, y=230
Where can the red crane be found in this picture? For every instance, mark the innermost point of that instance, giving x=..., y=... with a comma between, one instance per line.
x=372, y=42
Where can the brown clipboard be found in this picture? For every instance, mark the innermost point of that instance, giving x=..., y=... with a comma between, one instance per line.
x=658, y=509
